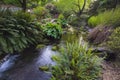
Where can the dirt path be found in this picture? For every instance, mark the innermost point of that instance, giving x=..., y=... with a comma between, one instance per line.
x=110, y=71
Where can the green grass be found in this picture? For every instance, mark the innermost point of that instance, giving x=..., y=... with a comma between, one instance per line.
x=76, y=62
x=111, y=17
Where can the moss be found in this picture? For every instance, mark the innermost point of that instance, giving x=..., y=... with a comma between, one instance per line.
x=44, y=68
x=39, y=46
x=55, y=48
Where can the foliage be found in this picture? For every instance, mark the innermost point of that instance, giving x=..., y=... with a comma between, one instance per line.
x=51, y=8
x=102, y=5
x=13, y=2
x=114, y=41
x=5, y=12
x=52, y=30
x=40, y=12
x=111, y=17
x=67, y=7
x=62, y=21
x=24, y=15
x=76, y=62
x=16, y=32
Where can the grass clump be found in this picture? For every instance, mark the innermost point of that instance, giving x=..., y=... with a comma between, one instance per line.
x=110, y=17
x=114, y=41
x=76, y=62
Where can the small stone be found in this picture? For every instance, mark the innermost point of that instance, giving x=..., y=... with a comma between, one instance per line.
x=55, y=48
x=40, y=46
x=44, y=68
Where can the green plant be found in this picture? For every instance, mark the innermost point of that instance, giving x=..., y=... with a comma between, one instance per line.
x=40, y=12
x=24, y=15
x=17, y=33
x=76, y=62
x=92, y=21
x=62, y=21
x=114, y=41
x=111, y=17
x=51, y=8
x=52, y=30
x=5, y=12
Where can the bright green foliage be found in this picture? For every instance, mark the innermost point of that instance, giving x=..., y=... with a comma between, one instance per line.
x=40, y=12
x=114, y=41
x=17, y=33
x=62, y=21
x=92, y=21
x=52, y=30
x=76, y=62
x=111, y=17
x=66, y=7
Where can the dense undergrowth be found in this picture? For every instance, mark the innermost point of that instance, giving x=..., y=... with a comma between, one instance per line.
x=109, y=17
x=114, y=41
x=76, y=62
x=16, y=31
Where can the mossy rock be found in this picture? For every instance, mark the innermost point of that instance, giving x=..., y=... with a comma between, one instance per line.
x=40, y=46
x=55, y=48
x=44, y=68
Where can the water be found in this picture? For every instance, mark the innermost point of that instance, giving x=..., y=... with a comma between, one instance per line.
x=26, y=67
x=9, y=61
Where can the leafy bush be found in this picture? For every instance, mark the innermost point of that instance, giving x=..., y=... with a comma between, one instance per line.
x=62, y=21
x=114, y=41
x=52, y=30
x=68, y=7
x=5, y=12
x=17, y=33
x=92, y=21
x=65, y=7
x=111, y=17
x=75, y=62
x=24, y=15
x=51, y=8
x=40, y=12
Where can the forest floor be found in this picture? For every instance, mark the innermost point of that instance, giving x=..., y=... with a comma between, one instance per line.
x=110, y=71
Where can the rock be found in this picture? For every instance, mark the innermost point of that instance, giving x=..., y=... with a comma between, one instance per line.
x=44, y=68
x=104, y=52
x=55, y=48
x=40, y=46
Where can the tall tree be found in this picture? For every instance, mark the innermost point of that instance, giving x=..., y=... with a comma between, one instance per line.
x=80, y=10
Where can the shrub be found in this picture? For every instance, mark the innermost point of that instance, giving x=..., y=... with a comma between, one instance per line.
x=114, y=41
x=65, y=7
x=24, y=15
x=40, y=12
x=51, y=8
x=52, y=30
x=17, y=33
x=5, y=12
x=111, y=17
x=62, y=21
x=75, y=62
x=92, y=21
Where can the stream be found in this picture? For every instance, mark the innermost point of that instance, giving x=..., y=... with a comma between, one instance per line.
x=26, y=66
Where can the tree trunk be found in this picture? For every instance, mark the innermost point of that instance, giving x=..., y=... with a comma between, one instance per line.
x=23, y=4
